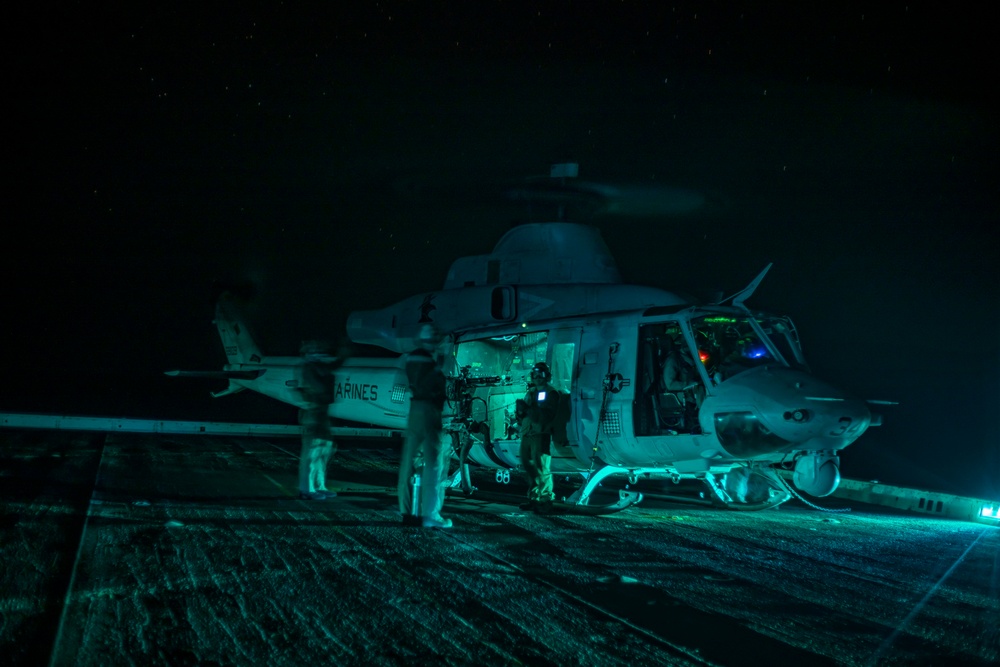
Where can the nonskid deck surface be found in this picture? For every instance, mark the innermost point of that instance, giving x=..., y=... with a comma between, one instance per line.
x=196, y=549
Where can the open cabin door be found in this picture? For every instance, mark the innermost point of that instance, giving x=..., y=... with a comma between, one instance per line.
x=564, y=348
x=497, y=370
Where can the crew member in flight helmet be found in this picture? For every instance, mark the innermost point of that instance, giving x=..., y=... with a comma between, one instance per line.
x=425, y=374
x=678, y=369
x=537, y=413
x=315, y=385
x=681, y=378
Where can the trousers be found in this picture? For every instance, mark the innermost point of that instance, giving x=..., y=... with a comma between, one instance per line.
x=536, y=457
x=422, y=441
x=318, y=448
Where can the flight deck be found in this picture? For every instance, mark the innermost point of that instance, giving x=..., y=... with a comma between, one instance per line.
x=184, y=549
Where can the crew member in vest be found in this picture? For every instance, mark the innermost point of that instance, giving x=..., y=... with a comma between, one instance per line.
x=425, y=374
x=538, y=413
x=315, y=384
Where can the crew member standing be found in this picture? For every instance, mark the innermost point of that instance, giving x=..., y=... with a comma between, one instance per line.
x=538, y=413
x=425, y=374
x=315, y=384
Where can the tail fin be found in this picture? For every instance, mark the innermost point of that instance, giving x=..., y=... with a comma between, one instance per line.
x=237, y=339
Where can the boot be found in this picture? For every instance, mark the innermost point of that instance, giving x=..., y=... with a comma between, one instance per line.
x=436, y=521
x=544, y=507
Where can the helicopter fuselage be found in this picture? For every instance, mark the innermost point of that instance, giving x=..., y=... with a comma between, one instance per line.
x=654, y=382
x=746, y=412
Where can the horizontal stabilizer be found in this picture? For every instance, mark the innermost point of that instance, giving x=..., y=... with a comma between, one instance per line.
x=217, y=375
x=233, y=388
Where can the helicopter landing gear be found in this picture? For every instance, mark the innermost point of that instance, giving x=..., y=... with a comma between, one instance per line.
x=581, y=497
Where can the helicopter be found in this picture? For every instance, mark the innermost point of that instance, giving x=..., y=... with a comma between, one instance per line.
x=744, y=409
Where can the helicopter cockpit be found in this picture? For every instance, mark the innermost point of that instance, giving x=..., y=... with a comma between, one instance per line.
x=673, y=386
x=729, y=345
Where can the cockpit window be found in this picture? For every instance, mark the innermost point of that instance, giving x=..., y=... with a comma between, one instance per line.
x=783, y=335
x=729, y=345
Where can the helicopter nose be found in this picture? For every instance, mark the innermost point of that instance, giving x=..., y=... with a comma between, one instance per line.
x=782, y=410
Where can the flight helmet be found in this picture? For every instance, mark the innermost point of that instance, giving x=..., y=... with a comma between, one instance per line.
x=540, y=372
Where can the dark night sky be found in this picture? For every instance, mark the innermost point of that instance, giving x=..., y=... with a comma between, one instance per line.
x=341, y=158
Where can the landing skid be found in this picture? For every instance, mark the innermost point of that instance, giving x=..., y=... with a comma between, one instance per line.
x=580, y=500
x=577, y=503
x=461, y=480
x=625, y=500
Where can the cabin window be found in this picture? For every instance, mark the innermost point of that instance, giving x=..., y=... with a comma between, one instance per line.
x=562, y=366
x=502, y=304
x=508, y=358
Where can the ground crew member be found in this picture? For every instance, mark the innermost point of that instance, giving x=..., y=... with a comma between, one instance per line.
x=424, y=372
x=315, y=384
x=538, y=412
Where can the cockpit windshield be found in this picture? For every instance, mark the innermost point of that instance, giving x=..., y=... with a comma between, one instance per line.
x=730, y=344
x=781, y=332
